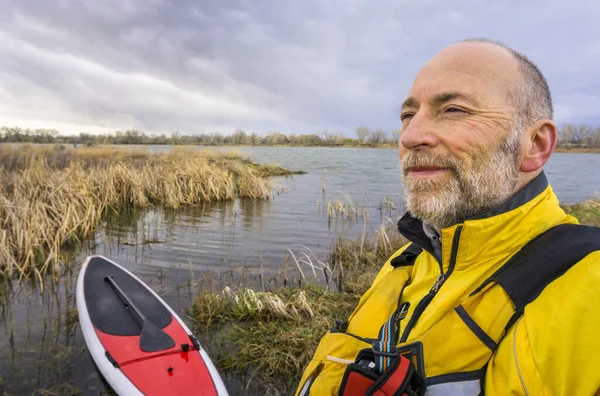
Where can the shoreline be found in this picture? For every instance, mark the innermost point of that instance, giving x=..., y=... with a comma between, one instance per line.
x=579, y=150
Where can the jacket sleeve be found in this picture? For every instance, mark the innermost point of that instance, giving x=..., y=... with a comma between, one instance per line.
x=554, y=349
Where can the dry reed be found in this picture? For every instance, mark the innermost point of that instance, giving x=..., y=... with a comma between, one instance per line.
x=53, y=197
x=345, y=208
x=272, y=333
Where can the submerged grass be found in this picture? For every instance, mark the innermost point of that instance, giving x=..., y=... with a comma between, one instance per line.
x=344, y=208
x=270, y=336
x=52, y=197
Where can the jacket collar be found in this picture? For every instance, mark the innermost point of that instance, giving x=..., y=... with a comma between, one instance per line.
x=521, y=197
x=485, y=226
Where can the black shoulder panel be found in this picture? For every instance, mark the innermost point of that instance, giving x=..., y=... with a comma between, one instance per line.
x=407, y=257
x=107, y=310
x=543, y=260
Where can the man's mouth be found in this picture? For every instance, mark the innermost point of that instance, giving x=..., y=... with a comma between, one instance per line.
x=425, y=171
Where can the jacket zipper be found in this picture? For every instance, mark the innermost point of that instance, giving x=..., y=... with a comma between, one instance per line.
x=434, y=289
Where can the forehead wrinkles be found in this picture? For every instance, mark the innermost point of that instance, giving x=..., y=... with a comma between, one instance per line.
x=487, y=73
x=488, y=92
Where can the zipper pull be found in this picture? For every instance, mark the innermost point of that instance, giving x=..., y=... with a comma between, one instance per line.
x=403, y=311
x=437, y=284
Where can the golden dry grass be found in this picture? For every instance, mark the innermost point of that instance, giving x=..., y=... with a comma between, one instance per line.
x=52, y=197
x=344, y=208
x=272, y=334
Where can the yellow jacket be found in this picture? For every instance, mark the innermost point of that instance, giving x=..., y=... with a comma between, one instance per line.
x=552, y=349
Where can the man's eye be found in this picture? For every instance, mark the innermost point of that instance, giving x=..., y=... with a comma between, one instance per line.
x=406, y=116
x=454, y=110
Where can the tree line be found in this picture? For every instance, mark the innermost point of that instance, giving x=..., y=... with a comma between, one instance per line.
x=569, y=136
x=578, y=136
x=365, y=137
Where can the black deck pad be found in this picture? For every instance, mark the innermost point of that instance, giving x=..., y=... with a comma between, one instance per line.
x=107, y=310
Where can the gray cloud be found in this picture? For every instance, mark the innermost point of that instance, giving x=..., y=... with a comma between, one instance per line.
x=162, y=65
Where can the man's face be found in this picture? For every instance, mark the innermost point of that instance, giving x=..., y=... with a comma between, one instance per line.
x=458, y=148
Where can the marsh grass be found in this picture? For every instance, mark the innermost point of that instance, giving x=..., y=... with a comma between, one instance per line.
x=270, y=336
x=587, y=212
x=53, y=197
x=344, y=208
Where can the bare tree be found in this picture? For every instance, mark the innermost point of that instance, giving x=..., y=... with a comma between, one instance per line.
x=253, y=138
x=361, y=133
x=566, y=135
x=378, y=136
x=595, y=140
x=238, y=137
x=582, y=135
x=584, y=132
x=276, y=138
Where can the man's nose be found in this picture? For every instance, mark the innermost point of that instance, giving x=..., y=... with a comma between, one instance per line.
x=419, y=133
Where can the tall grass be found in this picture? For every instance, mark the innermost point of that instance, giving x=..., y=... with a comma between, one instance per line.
x=51, y=198
x=271, y=335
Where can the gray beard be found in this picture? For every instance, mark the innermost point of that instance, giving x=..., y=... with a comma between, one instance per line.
x=476, y=187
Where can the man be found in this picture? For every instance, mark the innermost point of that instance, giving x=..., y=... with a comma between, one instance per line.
x=476, y=131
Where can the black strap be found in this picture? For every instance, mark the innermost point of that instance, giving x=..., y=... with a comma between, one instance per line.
x=407, y=257
x=543, y=260
x=538, y=263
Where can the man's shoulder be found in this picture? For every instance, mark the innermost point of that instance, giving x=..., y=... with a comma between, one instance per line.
x=568, y=309
x=558, y=334
x=578, y=287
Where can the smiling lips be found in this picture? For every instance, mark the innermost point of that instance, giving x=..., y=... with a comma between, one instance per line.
x=425, y=171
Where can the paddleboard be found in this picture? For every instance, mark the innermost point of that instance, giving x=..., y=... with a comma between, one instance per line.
x=137, y=341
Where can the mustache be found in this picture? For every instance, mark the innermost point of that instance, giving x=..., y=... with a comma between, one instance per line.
x=412, y=160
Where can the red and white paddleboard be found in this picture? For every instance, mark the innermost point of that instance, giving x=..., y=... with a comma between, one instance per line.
x=139, y=344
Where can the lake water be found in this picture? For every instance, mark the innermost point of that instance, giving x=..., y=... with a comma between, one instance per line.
x=41, y=347
x=255, y=235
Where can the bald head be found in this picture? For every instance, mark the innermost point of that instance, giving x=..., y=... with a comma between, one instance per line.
x=504, y=71
x=531, y=97
x=485, y=71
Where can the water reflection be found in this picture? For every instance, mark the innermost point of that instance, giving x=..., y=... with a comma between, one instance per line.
x=41, y=348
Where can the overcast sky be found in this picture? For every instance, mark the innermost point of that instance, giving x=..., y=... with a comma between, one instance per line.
x=289, y=66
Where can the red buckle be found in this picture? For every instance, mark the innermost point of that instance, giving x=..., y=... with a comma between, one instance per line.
x=399, y=378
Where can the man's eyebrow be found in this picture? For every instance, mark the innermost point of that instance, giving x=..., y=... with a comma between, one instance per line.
x=444, y=97
x=410, y=102
x=441, y=98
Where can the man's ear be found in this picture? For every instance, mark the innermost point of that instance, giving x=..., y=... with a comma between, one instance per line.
x=538, y=143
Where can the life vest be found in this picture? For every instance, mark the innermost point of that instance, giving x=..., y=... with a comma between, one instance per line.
x=450, y=356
